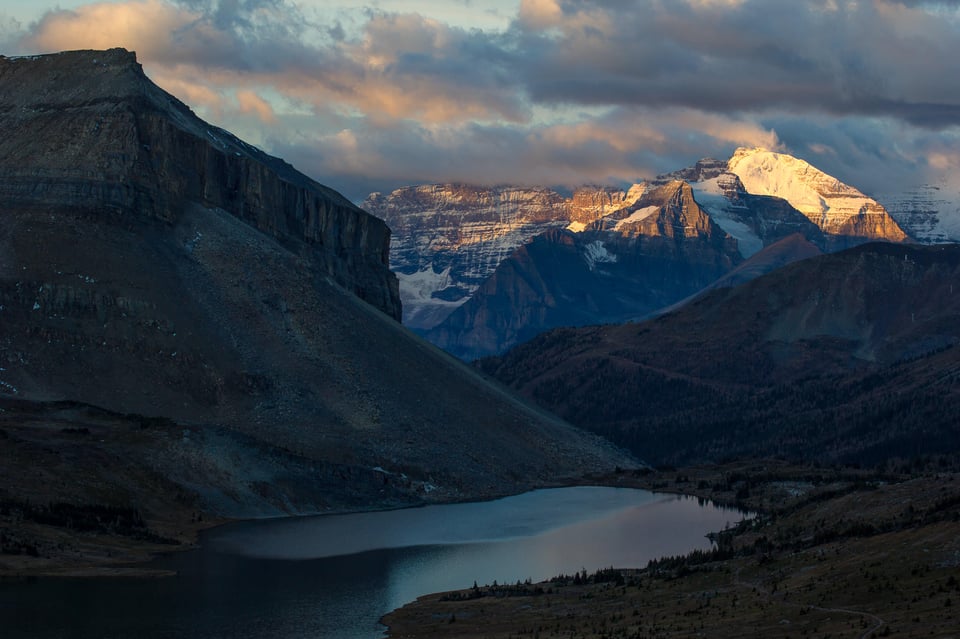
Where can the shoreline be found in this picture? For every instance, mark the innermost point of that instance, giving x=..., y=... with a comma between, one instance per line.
x=95, y=555
x=98, y=555
x=829, y=550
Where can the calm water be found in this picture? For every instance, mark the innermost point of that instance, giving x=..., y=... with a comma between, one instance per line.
x=335, y=576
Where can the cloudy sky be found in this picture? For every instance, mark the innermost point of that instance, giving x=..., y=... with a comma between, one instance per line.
x=371, y=95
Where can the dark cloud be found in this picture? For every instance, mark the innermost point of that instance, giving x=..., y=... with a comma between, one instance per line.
x=859, y=58
x=893, y=59
x=877, y=155
x=572, y=91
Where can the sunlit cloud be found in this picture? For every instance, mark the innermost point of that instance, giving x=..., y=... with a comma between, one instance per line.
x=540, y=14
x=250, y=102
x=559, y=92
x=148, y=26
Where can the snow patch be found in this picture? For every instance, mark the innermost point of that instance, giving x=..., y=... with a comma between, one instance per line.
x=596, y=253
x=416, y=295
x=712, y=198
x=576, y=227
x=636, y=217
x=420, y=286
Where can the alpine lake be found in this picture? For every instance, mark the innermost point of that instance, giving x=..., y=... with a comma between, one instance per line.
x=335, y=576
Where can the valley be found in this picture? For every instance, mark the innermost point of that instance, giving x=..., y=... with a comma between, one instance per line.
x=194, y=333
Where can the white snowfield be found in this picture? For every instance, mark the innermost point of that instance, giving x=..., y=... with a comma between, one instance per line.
x=825, y=200
x=712, y=198
x=636, y=217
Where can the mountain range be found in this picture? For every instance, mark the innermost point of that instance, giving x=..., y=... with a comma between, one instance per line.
x=191, y=325
x=485, y=271
x=449, y=238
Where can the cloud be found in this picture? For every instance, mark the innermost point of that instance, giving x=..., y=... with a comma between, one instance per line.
x=864, y=58
x=569, y=91
x=148, y=26
x=842, y=58
x=540, y=14
x=620, y=147
x=250, y=102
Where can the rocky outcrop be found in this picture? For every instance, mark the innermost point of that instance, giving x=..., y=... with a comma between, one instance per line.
x=658, y=250
x=104, y=138
x=448, y=239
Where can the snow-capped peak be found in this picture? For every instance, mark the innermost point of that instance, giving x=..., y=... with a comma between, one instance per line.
x=826, y=201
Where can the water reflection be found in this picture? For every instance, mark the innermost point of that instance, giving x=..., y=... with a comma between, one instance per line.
x=335, y=576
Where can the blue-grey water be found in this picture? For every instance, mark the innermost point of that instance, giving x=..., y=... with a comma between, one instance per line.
x=335, y=576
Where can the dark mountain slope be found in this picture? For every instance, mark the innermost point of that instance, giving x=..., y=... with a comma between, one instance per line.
x=91, y=133
x=846, y=357
x=201, y=294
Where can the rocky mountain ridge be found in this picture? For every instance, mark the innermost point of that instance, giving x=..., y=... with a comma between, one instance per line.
x=836, y=208
x=930, y=212
x=448, y=239
x=661, y=248
x=126, y=147
x=705, y=206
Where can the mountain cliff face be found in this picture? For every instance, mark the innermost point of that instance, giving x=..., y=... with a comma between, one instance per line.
x=448, y=239
x=845, y=357
x=754, y=221
x=658, y=250
x=196, y=308
x=102, y=136
x=930, y=213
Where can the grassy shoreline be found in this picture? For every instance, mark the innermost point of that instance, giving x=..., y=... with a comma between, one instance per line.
x=831, y=553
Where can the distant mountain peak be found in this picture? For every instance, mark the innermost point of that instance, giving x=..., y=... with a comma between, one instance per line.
x=837, y=208
x=704, y=169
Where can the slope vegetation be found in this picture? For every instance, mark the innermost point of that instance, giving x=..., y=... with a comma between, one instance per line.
x=845, y=357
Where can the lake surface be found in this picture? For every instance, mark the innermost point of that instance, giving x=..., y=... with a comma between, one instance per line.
x=335, y=576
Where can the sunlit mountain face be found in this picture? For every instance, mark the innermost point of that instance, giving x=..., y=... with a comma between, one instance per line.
x=483, y=269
